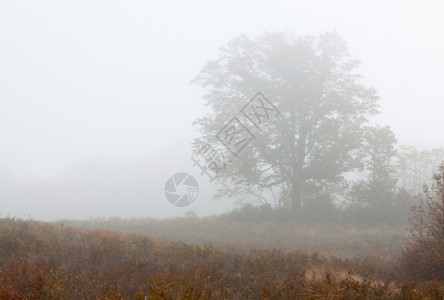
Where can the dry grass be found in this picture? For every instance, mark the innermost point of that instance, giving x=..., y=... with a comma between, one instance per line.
x=44, y=261
x=343, y=241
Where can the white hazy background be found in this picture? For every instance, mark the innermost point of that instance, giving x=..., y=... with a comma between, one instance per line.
x=96, y=106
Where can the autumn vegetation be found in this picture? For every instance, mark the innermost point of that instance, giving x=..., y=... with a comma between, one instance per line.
x=44, y=261
x=424, y=256
x=41, y=260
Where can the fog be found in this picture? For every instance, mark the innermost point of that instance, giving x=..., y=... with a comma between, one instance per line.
x=96, y=105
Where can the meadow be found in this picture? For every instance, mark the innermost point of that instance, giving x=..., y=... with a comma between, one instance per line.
x=209, y=258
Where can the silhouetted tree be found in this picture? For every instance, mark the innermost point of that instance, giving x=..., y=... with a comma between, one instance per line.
x=320, y=132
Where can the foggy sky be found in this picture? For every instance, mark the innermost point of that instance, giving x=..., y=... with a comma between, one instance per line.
x=96, y=106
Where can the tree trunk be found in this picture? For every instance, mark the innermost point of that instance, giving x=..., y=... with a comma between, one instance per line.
x=295, y=198
x=296, y=195
x=298, y=144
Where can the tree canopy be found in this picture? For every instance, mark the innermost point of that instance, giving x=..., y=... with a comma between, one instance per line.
x=322, y=131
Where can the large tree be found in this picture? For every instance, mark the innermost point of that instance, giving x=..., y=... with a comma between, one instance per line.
x=304, y=153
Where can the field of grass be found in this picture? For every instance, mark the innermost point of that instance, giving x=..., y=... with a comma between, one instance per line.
x=53, y=261
x=327, y=239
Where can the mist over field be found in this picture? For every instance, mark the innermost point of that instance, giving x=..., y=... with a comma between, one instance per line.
x=221, y=150
x=96, y=105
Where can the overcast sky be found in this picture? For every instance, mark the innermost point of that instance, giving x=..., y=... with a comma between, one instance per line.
x=96, y=93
